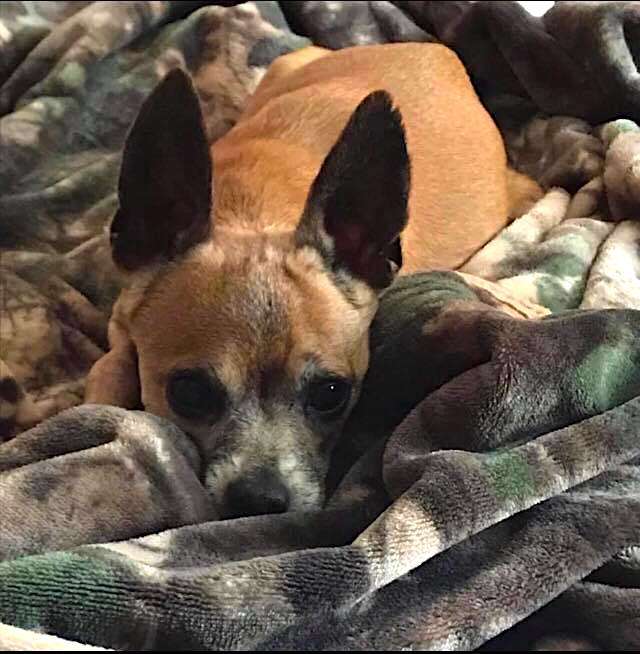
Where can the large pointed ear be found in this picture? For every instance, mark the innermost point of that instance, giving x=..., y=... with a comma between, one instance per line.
x=357, y=205
x=165, y=178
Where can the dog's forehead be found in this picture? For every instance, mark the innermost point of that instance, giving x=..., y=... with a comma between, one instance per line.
x=217, y=302
x=265, y=312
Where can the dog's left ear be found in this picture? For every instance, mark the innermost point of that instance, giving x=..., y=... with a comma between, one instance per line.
x=357, y=205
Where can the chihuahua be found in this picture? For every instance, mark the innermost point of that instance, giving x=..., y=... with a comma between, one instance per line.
x=255, y=265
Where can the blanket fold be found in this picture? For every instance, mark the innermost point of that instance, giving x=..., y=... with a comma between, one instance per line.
x=64, y=485
x=208, y=598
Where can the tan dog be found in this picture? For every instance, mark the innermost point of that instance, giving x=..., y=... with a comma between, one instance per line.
x=246, y=321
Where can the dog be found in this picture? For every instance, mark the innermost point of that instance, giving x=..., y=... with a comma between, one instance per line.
x=255, y=266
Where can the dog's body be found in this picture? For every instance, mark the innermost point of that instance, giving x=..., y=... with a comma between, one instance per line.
x=265, y=335
x=459, y=196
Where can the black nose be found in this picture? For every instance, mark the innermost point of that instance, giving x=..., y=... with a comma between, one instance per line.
x=256, y=494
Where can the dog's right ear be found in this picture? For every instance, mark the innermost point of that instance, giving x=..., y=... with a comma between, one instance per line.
x=164, y=190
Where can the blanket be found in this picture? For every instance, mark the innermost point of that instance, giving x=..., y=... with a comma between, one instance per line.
x=486, y=490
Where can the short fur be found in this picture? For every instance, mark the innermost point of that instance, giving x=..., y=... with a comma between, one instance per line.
x=272, y=281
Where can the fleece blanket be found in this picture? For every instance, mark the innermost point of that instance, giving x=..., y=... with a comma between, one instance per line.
x=486, y=491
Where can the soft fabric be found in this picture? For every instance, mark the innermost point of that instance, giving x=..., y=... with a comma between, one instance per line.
x=94, y=473
x=486, y=492
x=579, y=59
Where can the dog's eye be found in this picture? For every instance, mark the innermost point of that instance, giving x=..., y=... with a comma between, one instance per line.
x=194, y=394
x=329, y=397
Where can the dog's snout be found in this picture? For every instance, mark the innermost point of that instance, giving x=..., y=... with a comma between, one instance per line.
x=257, y=494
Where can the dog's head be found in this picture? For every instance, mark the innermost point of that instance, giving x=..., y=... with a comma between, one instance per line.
x=255, y=343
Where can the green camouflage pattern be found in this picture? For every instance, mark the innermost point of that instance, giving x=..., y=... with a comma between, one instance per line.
x=486, y=491
x=572, y=250
x=442, y=549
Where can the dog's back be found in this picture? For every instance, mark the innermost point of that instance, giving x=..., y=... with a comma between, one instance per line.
x=459, y=196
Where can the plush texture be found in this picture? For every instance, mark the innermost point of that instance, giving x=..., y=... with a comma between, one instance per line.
x=486, y=492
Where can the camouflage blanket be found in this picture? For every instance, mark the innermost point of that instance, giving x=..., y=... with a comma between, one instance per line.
x=486, y=490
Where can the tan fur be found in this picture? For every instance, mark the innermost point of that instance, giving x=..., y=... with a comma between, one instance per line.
x=259, y=310
x=316, y=318
x=523, y=193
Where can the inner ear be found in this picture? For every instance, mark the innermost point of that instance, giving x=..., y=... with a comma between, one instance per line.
x=357, y=205
x=164, y=189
